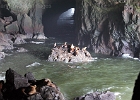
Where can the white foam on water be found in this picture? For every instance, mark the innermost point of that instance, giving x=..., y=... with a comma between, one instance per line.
x=136, y=58
x=126, y=56
x=33, y=64
x=2, y=77
x=37, y=42
x=117, y=93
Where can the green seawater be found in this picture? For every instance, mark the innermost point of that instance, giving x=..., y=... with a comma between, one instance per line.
x=117, y=75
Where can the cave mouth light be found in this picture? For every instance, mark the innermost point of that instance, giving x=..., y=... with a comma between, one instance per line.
x=67, y=15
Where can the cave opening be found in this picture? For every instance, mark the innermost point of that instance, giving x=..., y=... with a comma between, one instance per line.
x=59, y=20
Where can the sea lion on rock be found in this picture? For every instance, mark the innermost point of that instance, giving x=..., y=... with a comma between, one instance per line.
x=65, y=45
x=83, y=49
x=54, y=45
x=44, y=82
x=30, y=90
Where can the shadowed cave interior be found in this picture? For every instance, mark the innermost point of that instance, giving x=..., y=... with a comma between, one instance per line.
x=58, y=20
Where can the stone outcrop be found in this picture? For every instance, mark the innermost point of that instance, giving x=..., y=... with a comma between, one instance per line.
x=18, y=87
x=17, y=25
x=69, y=53
x=98, y=96
x=109, y=27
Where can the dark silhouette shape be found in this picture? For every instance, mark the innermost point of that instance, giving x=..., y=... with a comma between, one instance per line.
x=136, y=90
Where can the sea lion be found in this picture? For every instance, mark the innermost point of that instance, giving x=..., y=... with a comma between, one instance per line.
x=75, y=53
x=64, y=45
x=49, y=83
x=54, y=45
x=44, y=82
x=30, y=90
x=84, y=49
x=72, y=48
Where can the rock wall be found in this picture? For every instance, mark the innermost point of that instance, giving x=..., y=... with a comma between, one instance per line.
x=108, y=26
x=20, y=20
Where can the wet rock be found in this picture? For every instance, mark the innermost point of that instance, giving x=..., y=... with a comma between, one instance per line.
x=50, y=93
x=16, y=79
x=5, y=42
x=18, y=87
x=2, y=55
x=99, y=28
x=98, y=96
x=30, y=77
x=19, y=39
x=21, y=49
x=69, y=53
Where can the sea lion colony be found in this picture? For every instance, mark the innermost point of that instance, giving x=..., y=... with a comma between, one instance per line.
x=69, y=53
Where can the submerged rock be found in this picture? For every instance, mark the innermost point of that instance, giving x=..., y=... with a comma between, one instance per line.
x=98, y=96
x=21, y=49
x=69, y=53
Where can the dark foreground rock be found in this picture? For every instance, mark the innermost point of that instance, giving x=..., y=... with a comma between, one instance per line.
x=69, y=53
x=136, y=90
x=97, y=96
x=18, y=87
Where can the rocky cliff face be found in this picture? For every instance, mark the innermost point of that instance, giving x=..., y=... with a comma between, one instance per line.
x=20, y=20
x=108, y=26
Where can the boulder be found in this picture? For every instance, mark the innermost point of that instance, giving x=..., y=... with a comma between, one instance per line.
x=16, y=79
x=18, y=87
x=12, y=28
x=98, y=96
x=19, y=39
x=69, y=53
x=8, y=19
x=5, y=41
